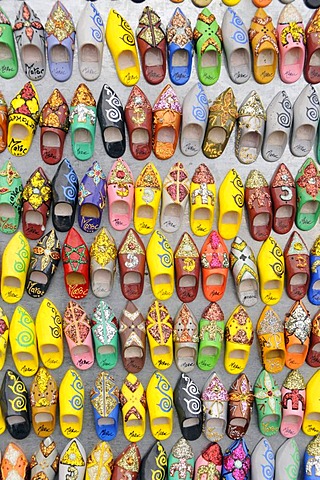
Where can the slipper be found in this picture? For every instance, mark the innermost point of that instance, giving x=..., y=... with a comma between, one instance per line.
x=43, y=400
x=308, y=195
x=239, y=407
x=208, y=46
x=236, y=45
x=105, y=336
x=237, y=454
x=100, y=462
x=270, y=262
x=214, y=267
x=179, y=47
x=314, y=286
x=262, y=460
x=60, y=36
x=73, y=458
x=231, y=202
x=54, y=126
x=306, y=112
x=103, y=255
x=287, y=460
x=297, y=328
x=127, y=464
x=185, y=337
x=310, y=459
x=262, y=35
x=161, y=267
x=175, y=196
x=209, y=462
x=267, y=397
x=120, y=195
x=311, y=420
x=296, y=256
x=71, y=404
x=138, y=119
x=131, y=260
x=270, y=332
x=132, y=332
x=29, y=34
x=14, y=462
x=147, y=195
x=166, y=114
x=9, y=61
x=83, y=118
x=36, y=197
x=222, y=118
x=133, y=403
x=195, y=110
x=45, y=460
x=284, y=198
x=313, y=357
x=311, y=66
x=23, y=342
x=75, y=258
x=245, y=273
x=15, y=263
x=3, y=123
x=48, y=325
x=181, y=457
x=65, y=188
x=90, y=32
x=239, y=336
x=187, y=269
x=187, y=400
x=259, y=206
x=215, y=408
x=4, y=339
x=92, y=198
x=291, y=36
x=293, y=401
x=202, y=200
x=160, y=397
x=211, y=329
x=77, y=330
x=11, y=198
x=159, y=331
x=23, y=118
x=154, y=462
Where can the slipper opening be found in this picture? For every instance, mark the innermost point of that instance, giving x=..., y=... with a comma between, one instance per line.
x=153, y=57
x=231, y=218
x=316, y=285
x=5, y=52
x=106, y=350
x=211, y=351
x=24, y=357
x=112, y=135
x=191, y=136
x=315, y=59
x=162, y=279
x=43, y=417
x=132, y=278
x=165, y=135
x=49, y=348
x=69, y=418
x=238, y=353
x=15, y=419
x=135, y=422
x=75, y=278
x=313, y=416
x=180, y=58
x=286, y=211
x=215, y=279
x=172, y=215
x=140, y=136
x=265, y=58
x=261, y=220
x=209, y=59
x=101, y=280
x=303, y=138
x=238, y=422
x=275, y=144
x=202, y=213
x=293, y=56
x=187, y=281
x=145, y=211
x=291, y=420
x=34, y=218
x=299, y=279
x=272, y=418
x=82, y=140
x=31, y=54
x=105, y=421
x=120, y=207
x=216, y=424
x=249, y=285
x=51, y=139
x=250, y=145
x=7, y=211
x=297, y=348
x=89, y=54
x=276, y=353
x=80, y=350
x=133, y=352
x=190, y=422
x=126, y=60
x=59, y=54
x=161, y=350
x=217, y=135
x=90, y=210
x=161, y=421
x=63, y=210
x=272, y=285
x=240, y=58
x=38, y=277
x=13, y=282
x=186, y=352
x=19, y=131
x=310, y=207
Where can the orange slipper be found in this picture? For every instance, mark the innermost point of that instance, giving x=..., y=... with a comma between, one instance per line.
x=297, y=327
x=215, y=267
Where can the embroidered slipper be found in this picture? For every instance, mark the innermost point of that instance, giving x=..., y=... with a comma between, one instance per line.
x=214, y=267
x=267, y=397
x=48, y=324
x=181, y=457
x=15, y=263
x=202, y=200
x=297, y=328
x=211, y=329
x=187, y=269
x=104, y=398
x=187, y=400
x=231, y=202
x=83, y=118
x=270, y=332
x=45, y=461
x=209, y=462
x=100, y=462
x=103, y=255
x=180, y=47
x=284, y=198
x=105, y=335
x=147, y=195
x=120, y=195
x=237, y=452
x=14, y=462
x=71, y=404
x=270, y=263
x=43, y=400
x=75, y=258
x=293, y=401
x=131, y=260
x=9, y=61
x=60, y=36
x=160, y=396
x=311, y=422
x=313, y=357
x=134, y=408
x=11, y=198
x=240, y=407
x=138, y=117
x=23, y=342
x=159, y=331
x=296, y=256
x=77, y=330
x=132, y=331
x=308, y=195
x=314, y=286
x=239, y=336
x=127, y=464
x=185, y=337
x=215, y=408
x=245, y=273
x=92, y=198
x=161, y=267
x=310, y=459
x=259, y=206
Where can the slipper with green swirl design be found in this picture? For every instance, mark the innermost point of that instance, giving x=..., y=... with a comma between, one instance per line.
x=23, y=341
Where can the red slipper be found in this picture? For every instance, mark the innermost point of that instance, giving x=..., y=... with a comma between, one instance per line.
x=75, y=258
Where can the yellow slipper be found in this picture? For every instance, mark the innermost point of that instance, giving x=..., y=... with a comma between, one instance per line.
x=239, y=338
x=23, y=341
x=100, y=462
x=311, y=419
x=159, y=331
x=147, y=195
x=49, y=334
x=271, y=271
x=202, y=200
x=15, y=263
x=160, y=403
x=161, y=267
x=4, y=335
x=133, y=406
x=71, y=404
x=122, y=46
x=231, y=201
x=2, y=423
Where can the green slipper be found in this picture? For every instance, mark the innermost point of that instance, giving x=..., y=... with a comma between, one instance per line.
x=268, y=402
x=83, y=119
x=181, y=459
x=105, y=336
x=211, y=328
x=8, y=56
x=10, y=198
x=208, y=45
x=308, y=195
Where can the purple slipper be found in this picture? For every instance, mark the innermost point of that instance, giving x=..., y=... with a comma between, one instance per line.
x=92, y=198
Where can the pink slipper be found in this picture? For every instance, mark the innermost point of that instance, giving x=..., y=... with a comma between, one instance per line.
x=120, y=195
x=77, y=330
x=293, y=394
x=210, y=461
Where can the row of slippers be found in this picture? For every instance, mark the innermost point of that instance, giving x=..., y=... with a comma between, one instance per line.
x=158, y=128
x=235, y=463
